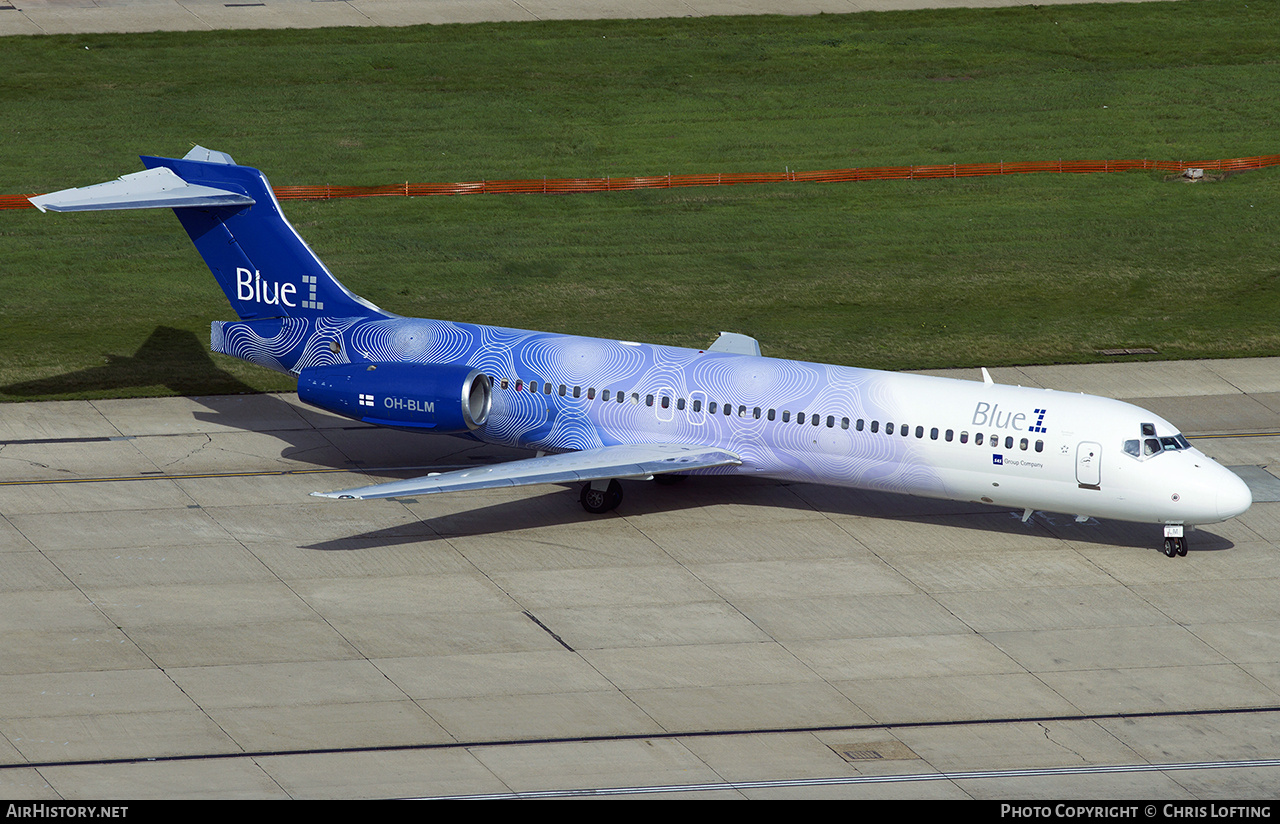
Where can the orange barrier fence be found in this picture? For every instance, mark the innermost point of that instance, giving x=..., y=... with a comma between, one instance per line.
x=616, y=184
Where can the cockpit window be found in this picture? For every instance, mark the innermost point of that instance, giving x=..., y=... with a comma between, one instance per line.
x=1148, y=444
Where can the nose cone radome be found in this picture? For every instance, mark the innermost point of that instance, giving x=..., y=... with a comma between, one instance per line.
x=1233, y=496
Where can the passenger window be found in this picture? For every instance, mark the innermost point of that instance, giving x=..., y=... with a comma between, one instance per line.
x=858, y=425
x=546, y=389
x=977, y=439
x=950, y=434
x=562, y=390
x=1023, y=445
x=875, y=426
x=786, y=416
x=772, y=414
x=844, y=423
x=697, y=405
x=519, y=385
x=680, y=404
x=920, y=432
x=757, y=412
x=1039, y=446
x=964, y=437
x=1008, y=442
x=799, y=417
x=933, y=434
x=888, y=429
x=533, y=386
x=831, y=421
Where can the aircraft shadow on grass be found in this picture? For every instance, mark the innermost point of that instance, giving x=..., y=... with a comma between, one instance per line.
x=171, y=358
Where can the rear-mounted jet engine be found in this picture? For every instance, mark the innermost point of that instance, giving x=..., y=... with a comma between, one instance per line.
x=444, y=399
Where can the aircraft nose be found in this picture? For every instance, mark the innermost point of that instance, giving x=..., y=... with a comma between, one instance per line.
x=1233, y=496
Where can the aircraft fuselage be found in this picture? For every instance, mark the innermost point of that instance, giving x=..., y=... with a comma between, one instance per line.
x=1013, y=446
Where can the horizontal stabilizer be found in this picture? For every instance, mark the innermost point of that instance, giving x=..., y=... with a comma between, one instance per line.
x=157, y=188
x=623, y=461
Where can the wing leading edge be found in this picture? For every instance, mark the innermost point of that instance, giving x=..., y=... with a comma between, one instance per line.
x=608, y=462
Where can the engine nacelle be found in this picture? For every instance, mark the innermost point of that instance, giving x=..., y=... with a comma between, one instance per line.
x=445, y=399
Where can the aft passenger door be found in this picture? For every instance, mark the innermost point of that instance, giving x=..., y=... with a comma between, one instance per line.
x=1089, y=464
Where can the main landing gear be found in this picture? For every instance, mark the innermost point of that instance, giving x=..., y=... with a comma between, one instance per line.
x=599, y=498
x=1175, y=546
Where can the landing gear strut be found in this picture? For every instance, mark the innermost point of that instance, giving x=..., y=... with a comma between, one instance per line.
x=602, y=500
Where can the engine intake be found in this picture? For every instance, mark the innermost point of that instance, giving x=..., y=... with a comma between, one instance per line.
x=442, y=398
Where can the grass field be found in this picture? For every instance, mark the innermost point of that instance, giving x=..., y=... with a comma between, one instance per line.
x=897, y=275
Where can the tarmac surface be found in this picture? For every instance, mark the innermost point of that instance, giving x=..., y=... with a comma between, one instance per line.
x=89, y=16
x=178, y=618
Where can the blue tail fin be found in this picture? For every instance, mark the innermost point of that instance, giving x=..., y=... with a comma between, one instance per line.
x=262, y=264
x=265, y=269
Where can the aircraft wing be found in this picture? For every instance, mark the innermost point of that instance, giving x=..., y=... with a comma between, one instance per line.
x=623, y=461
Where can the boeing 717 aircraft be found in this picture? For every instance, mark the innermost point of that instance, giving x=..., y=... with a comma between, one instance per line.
x=598, y=410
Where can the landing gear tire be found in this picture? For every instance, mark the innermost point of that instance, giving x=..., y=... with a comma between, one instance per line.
x=1181, y=545
x=600, y=501
x=1170, y=547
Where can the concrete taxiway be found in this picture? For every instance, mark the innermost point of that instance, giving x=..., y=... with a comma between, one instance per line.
x=97, y=16
x=178, y=617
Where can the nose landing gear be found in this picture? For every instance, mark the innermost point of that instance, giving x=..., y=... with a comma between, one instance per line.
x=1175, y=546
x=1174, y=542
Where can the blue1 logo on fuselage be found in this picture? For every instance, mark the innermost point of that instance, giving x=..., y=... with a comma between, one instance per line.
x=986, y=414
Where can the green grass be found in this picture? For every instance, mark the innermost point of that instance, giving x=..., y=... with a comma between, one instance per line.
x=918, y=274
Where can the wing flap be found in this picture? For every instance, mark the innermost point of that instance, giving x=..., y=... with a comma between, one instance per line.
x=623, y=461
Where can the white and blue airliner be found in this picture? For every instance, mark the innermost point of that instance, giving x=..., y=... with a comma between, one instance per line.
x=597, y=410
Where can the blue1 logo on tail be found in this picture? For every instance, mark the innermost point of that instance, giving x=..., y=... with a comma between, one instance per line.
x=600, y=410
